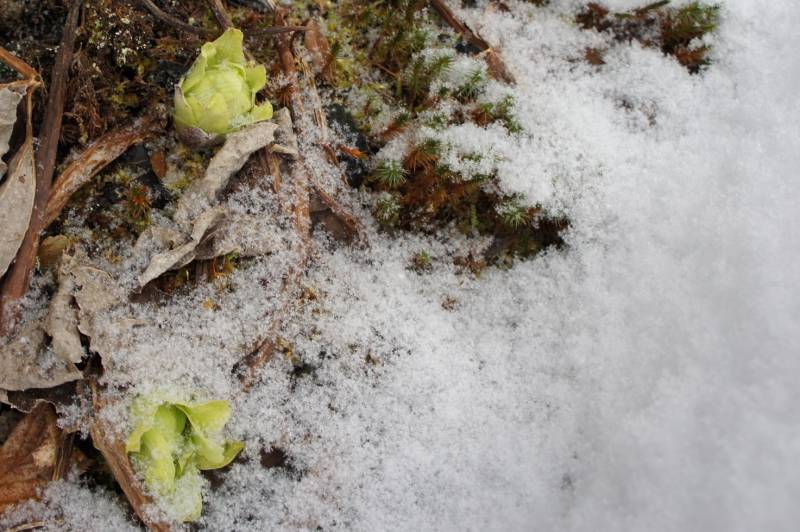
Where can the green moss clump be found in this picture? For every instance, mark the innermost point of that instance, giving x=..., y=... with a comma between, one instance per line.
x=676, y=31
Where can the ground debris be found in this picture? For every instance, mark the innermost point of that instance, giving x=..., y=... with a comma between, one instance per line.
x=25, y=362
x=35, y=453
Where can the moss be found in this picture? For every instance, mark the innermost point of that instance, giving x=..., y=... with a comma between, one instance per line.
x=388, y=54
x=676, y=31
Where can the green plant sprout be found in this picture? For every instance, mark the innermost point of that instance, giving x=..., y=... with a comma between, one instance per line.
x=390, y=174
x=218, y=94
x=172, y=442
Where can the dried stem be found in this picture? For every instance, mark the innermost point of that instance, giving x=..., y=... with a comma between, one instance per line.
x=220, y=13
x=301, y=219
x=93, y=159
x=16, y=280
x=112, y=448
x=18, y=64
x=169, y=19
x=497, y=67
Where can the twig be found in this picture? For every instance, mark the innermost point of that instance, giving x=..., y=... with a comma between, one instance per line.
x=16, y=280
x=301, y=219
x=350, y=223
x=93, y=159
x=274, y=30
x=497, y=68
x=169, y=19
x=18, y=64
x=220, y=13
x=113, y=450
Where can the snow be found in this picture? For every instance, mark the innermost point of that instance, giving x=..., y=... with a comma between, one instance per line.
x=643, y=378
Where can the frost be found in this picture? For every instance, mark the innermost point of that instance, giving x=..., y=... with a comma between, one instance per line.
x=643, y=378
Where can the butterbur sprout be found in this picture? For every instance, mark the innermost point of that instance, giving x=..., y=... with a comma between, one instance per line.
x=172, y=442
x=218, y=94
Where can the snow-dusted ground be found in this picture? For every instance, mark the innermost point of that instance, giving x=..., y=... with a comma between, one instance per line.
x=645, y=378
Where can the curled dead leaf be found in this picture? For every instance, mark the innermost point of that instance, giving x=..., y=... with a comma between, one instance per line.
x=93, y=159
x=9, y=100
x=16, y=203
x=230, y=158
x=185, y=252
x=25, y=362
x=31, y=456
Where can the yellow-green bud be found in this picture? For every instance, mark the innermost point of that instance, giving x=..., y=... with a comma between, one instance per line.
x=218, y=94
x=172, y=442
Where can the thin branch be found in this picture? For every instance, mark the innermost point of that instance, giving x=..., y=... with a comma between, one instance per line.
x=172, y=21
x=16, y=280
x=221, y=14
x=93, y=159
x=497, y=67
x=301, y=219
x=18, y=64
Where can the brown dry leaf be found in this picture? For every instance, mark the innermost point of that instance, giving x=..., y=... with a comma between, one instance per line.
x=30, y=456
x=16, y=202
x=186, y=252
x=9, y=100
x=51, y=249
x=230, y=158
x=112, y=447
x=25, y=362
x=319, y=49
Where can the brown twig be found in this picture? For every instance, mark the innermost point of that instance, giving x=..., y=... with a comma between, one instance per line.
x=315, y=46
x=18, y=64
x=172, y=21
x=113, y=450
x=301, y=220
x=277, y=30
x=93, y=159
x=16, y=280
x=497, y=68
x=220, y=13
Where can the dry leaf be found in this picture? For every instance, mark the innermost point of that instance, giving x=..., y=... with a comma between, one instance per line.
x=9, y=100
x=209, y=231
x=16, y=203
x=62, y=319
x=96, y=293
x=29, y=458
x=51, y=249
x=184, y=253
x=319, y=49
x=63, y=397
x=248, y=235
x=230, y=158
x=25, y=362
